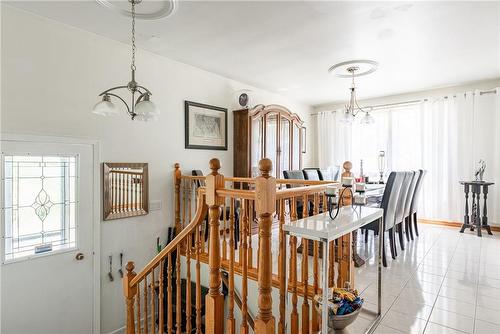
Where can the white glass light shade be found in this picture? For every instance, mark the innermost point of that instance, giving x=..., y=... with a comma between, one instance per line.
x=104, y=107
x=367, y=119
x=347, y=118
x=146, y=110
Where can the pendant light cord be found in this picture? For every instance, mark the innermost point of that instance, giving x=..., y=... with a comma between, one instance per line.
x=132, y=66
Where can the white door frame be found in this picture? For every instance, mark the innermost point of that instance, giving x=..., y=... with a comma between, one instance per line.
x=96, y=206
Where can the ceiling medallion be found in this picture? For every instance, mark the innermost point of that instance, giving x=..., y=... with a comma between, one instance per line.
x=352, y=69
x=151, y=10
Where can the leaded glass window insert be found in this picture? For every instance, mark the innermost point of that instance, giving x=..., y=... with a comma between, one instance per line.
x=40, y=204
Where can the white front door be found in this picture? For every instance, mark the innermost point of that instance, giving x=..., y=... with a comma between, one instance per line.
x=47, y=274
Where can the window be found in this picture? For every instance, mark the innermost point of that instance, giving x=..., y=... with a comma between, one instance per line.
x=40, y=204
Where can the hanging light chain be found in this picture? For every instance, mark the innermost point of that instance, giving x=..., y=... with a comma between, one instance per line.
x=132, y=66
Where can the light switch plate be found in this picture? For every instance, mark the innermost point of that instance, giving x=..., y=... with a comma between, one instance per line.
x=155, y=205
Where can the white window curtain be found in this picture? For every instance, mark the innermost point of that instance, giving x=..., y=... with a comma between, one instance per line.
x=445, y=136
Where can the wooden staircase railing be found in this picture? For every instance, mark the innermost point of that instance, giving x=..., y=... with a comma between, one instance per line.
x=219, y=221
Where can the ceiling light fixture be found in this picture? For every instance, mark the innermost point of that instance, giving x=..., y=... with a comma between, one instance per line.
x=142, y=109
x=354, y=68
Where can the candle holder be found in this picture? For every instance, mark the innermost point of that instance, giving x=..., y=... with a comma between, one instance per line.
x=335, y=202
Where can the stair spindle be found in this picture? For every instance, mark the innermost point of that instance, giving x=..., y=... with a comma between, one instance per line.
x=231, y=324
x=244, y=264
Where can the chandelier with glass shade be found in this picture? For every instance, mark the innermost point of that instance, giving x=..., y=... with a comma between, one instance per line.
x=141, y=108
x=354, y=68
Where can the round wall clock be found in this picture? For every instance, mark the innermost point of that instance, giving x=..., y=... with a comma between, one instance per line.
x=243, y=99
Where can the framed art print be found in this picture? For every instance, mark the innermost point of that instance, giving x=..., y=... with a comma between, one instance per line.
x=205, y=126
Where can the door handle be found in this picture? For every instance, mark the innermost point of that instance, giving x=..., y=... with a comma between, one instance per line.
x=79, y=256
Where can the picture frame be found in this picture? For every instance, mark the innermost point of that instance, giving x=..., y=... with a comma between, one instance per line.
x=205, y=126
x=303, y=138
x=125, y=190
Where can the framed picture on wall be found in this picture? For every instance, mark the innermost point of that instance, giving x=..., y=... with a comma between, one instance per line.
x=205, y=126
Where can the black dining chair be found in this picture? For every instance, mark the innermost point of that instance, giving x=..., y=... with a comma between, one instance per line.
x=311, y=174
x=414, y=202
x=409, y=198
x=389, y=204
x=400, y=211
x=295, y=175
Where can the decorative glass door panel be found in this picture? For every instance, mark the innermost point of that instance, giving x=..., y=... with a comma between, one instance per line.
x=296, y=147
x=285, y=146
x=255, y=146
x=271, y=139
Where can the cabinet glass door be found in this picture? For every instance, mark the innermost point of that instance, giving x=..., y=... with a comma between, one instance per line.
x=285, y=146
x=272, y=139
x=296, y=147
x=256, y=146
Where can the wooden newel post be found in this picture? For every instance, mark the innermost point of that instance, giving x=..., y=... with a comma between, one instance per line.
x=214, y=300
x=177, y=197
x=130, y=293
x=265, y=206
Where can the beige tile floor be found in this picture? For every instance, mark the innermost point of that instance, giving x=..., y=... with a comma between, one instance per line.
x=444, y=282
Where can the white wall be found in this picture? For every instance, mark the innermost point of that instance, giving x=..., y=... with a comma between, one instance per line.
x=51, y=75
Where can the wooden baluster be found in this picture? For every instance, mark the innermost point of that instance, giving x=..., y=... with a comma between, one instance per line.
x=198, y=281
x=214, y=300
x=169, y=294
x=305, y=270
x=251, y=220
x=282, y=268
x=305, y=206
x=244, y=266
x=130, y=292
x=153, y=302
x=138, y=310
x=161, y=320
x=305, y=274
x=242, y=224
x=231, y=324
x=146, y=316
x=188, y=284
x=177, y=198
x=184, y=201
x=294, y=316
x=178, y=290
x=224, y=229
x=315, y=320
x=293, y=213
x=190, y=205
x=265, y=205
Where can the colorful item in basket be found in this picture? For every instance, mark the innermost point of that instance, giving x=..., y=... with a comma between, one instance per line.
x=342, y=301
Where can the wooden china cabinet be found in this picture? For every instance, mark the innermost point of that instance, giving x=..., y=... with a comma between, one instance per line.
x=272, y=132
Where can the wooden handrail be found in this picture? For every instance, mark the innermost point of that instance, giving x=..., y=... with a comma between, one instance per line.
x=299, y=191
x=304, y=182
x=201, y=213
x=252, y=180
x=236, y=193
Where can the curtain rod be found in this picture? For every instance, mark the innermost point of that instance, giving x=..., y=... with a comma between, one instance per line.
x=395, y=104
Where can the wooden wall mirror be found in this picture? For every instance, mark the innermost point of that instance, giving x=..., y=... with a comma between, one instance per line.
x=125, y=190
